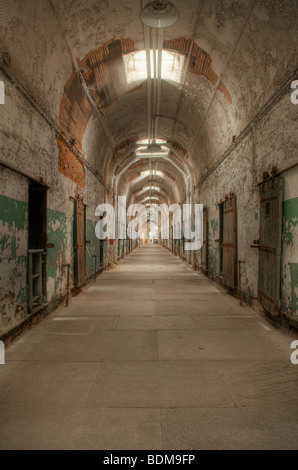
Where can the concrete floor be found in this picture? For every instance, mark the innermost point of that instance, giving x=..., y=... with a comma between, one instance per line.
x=151, y=356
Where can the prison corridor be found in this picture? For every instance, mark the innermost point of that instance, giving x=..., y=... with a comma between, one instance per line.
x=150, y=355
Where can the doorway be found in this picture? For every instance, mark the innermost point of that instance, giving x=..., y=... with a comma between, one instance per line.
x=37, y=244
x=80, y=243
x=228, y=242
x=204, y=252
x=271, y=212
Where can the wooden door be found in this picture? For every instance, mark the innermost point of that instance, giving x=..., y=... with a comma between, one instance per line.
x=229, y=243
x=204, y=253
x=271, y=204
x=80, y=243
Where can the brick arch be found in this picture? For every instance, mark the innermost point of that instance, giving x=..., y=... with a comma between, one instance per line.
x=100, y=70
x=105, y=80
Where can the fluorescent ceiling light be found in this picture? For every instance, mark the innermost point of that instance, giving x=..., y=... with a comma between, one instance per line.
x=150, y=198
x=152, y=155
x=152, y=150
x=159, y=14
x=155, y=188
x=146, y=141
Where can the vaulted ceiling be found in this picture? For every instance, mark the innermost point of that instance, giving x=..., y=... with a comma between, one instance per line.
x=85, y=62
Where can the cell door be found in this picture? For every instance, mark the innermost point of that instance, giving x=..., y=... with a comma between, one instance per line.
x=37, y=242
x=80, y=243
x=228, y=239
x=271, y=204
x=204, y=253
x=101, y=253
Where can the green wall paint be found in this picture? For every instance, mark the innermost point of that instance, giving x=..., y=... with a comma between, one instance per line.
x=290, y=220
x=13, y=255
x=289, y=279
x=13, y=237
x=13, y=258
x=14, y=213
x=294, y=286
x=57, y=234
x=92, y=248
x=214, y=225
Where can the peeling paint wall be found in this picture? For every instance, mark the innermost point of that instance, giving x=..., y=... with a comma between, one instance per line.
x=252, y=50
x=92, y=248
x=289, y=280
x=240, y=172
x=29, y=145
x=13, y=247
x=57, y=235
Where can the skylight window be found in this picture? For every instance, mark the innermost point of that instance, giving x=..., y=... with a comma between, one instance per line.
x=146, y=173
x=136, y=66
x=152, y=198
x=159, y=173
x=146, y=141
x=143, y=152
x=151, y=187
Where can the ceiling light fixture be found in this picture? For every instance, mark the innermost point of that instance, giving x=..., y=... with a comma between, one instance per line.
x=152, y=148
x=159, y=14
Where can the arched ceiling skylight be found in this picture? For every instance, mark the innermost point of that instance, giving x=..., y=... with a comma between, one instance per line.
x=154, y=188
x=150, y=198
x=136, y=66
x=146, y=173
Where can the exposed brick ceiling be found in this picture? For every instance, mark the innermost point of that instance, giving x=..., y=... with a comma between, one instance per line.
x=228, y=49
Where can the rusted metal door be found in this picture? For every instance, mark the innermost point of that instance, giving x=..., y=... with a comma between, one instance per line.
x=229, y=243
x=204, y=254
x=271, y=204
x=80, y=243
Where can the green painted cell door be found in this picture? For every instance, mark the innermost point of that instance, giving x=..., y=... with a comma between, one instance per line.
x=228, y=243
x=204, y=254
x=80, y=243
x=271, y=205
x=101, y=252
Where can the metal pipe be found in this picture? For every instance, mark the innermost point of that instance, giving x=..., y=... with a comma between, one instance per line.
x=159, y=68
x=154, y=73
x=254, y=174
x=84, y=85
x=281, y=172
x=148, y=60
x=52, y=125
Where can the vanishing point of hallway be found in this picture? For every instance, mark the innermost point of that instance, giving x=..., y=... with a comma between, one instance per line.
x=150, y=356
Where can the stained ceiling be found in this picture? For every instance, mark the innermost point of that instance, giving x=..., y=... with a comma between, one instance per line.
x=90, y=64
